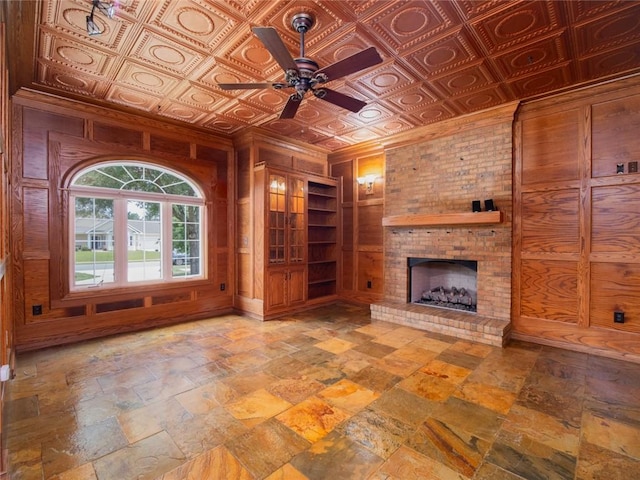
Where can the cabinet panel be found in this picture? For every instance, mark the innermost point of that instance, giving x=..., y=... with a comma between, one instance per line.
x=615, y=287
x=275, y=158
x=551, y=148
x=296, y=287
x=285, y=288
x=615, y=222
x=276, y=289
x=615, y=131
x=550, y=221
x=549, y=290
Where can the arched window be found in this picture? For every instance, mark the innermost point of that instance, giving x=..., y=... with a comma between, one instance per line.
x=133, y=222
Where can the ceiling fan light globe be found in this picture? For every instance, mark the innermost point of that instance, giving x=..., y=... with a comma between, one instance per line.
x=106, y=8
x=92, y=26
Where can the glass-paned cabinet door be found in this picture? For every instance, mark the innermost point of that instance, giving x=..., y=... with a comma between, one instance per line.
x=296, y=220
x=277, y=217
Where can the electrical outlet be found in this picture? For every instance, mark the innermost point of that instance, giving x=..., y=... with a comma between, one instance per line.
x=222, y=287
x=633, y=167
x=618, y=316
x=36, y=309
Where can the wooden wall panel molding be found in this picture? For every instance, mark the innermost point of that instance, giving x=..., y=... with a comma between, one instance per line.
x=549, y=156
x=576, y=248
x=75, y=108
x=36, y=208
x=615, y=287
x=549, y=221
x=549, y=289
x=614, y=219
x=594, y=341
x=64, y=140
x=616, y=124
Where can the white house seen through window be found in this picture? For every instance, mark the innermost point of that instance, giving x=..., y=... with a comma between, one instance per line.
x=133, y=222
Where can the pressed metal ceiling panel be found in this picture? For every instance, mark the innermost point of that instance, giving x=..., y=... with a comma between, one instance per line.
x=441, y=59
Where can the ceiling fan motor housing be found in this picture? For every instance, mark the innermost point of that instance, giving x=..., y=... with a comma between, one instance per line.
x=302, y=22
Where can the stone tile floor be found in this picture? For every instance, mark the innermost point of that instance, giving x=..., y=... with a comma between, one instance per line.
x=327, y=394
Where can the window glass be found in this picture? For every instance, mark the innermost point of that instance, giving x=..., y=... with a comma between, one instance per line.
x=94, y=245
x=144, y=258
x=186, y=235
x=134, y=223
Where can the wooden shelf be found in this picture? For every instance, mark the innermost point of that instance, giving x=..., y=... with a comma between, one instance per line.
x=443, y=219
x=321, y=238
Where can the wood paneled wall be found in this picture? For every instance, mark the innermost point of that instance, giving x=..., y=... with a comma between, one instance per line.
x=576, y=223
x=361, y=261
x=52, y=139
x=6, y=318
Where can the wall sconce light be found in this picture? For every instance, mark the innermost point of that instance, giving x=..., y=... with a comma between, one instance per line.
x=107, y=8
x=368, y=181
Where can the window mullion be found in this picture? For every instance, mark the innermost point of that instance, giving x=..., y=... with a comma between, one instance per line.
x=166, y=250
x=120, y=225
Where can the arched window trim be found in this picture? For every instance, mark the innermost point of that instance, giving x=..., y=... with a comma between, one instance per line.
x=189, y=252
x=133, y=163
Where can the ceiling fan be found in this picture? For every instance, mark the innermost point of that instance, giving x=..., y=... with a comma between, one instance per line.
x=303, y=74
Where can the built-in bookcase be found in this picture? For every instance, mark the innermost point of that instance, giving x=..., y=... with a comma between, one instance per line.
x=322, y=235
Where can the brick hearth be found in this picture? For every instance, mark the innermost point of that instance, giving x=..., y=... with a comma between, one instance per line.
x=468, y=326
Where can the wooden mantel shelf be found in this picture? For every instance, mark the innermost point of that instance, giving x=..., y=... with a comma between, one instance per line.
x=443, y=219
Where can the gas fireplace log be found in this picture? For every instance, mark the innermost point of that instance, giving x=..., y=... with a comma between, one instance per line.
x=445, y=295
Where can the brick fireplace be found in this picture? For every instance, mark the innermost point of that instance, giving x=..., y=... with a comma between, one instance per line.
x=434, y=179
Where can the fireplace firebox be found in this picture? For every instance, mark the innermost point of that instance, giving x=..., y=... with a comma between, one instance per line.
x=443, y=283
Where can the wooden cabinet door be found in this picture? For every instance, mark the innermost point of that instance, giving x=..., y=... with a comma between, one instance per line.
x=276, y=289
x=286, y=220
x=276, y=219
x=296, y=286
x=285, y=288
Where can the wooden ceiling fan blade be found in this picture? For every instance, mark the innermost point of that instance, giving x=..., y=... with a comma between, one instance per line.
x=340, y=99
x=278, y=50
x=291, y=107
x=246, y=86
x=356, y=62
